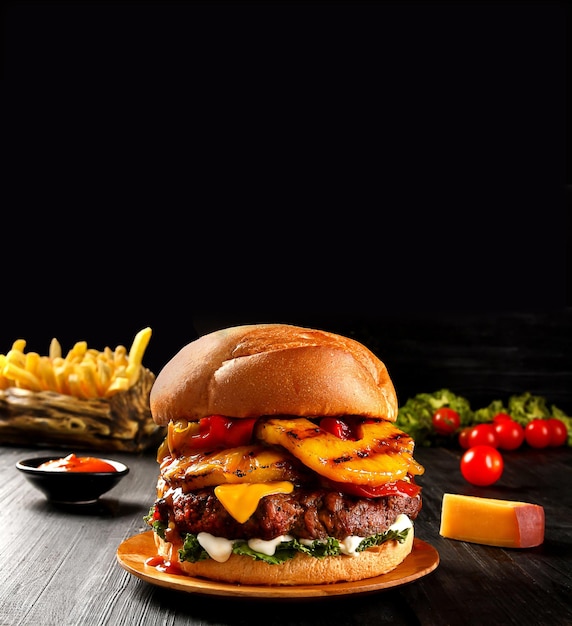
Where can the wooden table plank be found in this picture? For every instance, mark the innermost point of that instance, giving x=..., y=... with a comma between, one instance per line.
x=58, y=565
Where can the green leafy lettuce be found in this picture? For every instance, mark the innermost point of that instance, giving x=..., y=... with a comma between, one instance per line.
x=192, y=550
x=415, y=416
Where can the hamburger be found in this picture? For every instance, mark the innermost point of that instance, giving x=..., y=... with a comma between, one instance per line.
x=281, y=463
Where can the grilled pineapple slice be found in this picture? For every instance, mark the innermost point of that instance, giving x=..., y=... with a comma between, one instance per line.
x=243, y=464
x=382, y=453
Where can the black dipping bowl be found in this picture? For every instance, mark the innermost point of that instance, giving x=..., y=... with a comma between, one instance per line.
x=71, y=487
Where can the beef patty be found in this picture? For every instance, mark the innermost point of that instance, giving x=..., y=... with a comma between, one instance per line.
x=305, y=514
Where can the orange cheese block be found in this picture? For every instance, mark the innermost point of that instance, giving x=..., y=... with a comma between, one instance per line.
x=492, y=522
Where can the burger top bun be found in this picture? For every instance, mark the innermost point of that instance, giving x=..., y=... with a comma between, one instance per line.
x=272, y=369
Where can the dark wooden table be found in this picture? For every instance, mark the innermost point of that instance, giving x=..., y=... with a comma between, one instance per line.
x=58, y=565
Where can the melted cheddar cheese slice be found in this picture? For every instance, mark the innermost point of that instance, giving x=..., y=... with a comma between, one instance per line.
x=242, y=499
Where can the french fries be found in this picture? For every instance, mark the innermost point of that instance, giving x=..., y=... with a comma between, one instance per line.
x=83, y=372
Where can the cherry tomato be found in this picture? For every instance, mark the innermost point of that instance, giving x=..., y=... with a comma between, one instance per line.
x=537, y=433
x=464, y=437
x=510, y=434
x=446, y=421
x=482, y=465
x=558, y=432
x=501, y=417
x=482, y=435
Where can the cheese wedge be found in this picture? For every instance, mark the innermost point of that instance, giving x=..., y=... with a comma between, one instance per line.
x=492, y=522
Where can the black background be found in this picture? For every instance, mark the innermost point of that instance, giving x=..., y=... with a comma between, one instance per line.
x=394, y=171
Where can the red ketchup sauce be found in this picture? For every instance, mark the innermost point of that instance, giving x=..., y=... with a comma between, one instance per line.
x=73, y=463
x=159, y=563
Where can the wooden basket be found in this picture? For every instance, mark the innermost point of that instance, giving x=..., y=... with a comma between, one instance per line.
x=121, y=422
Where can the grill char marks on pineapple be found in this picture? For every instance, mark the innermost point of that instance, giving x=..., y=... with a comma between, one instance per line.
x=251, y=464
x=381, y=453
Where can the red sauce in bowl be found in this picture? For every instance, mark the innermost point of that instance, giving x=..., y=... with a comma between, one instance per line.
x=73, y=463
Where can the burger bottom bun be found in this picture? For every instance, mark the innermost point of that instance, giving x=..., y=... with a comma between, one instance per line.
x=301, y=570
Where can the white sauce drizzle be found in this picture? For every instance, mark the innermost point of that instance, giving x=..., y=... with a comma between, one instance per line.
x=349, y=544
x=220, y=548
x=401, y=523
x=267, y=547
